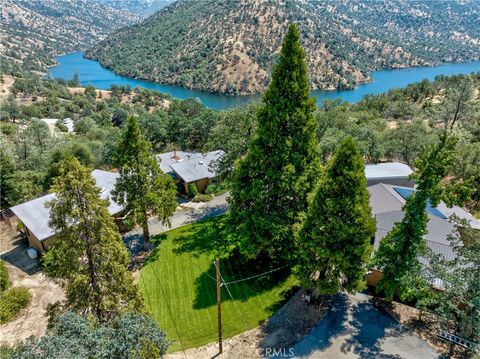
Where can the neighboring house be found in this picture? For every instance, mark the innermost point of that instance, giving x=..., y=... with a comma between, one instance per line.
x=190, y=167
x=387, y=202
x=391, y=173
x=35, y=216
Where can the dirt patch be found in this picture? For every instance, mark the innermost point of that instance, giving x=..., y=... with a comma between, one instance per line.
x=423, y=324
x=293, y=321
x=245, y=345
x=24, y=272
x=32, y=320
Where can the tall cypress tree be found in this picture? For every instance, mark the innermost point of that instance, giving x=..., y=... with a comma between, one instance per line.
x=89, y=253
x=334, y=243
x=271, y=183
x=142, y=187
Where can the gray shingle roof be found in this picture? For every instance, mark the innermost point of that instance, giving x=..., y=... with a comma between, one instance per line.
x=189, y=166
x=384, y=198
x=35, y=216
x=436, y=239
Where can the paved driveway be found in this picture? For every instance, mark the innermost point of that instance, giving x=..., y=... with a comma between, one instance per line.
x=354, y=328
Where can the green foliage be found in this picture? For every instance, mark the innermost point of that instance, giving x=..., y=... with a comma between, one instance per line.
x=232, y=133
x=142, y=187
x=339, y=216
x=458, y=305
x=192, y=190
x=12, y=301
x=270, y=186
x=131, y=336
x=202, y=198
x=397, y=256
x=88, y=253
x=4, y=277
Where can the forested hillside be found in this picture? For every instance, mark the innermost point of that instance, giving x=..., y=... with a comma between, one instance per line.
x=33, y=31
x=140, y=7
x=229, y=46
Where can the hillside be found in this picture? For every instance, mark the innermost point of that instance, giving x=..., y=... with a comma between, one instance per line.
x=140, y=7
x=229, y=46
x=33, y=31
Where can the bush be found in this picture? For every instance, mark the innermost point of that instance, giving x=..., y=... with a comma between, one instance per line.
x=202, y=198
x=4, y=280
x=217, y=188
x=192, y=190
x=12, y=301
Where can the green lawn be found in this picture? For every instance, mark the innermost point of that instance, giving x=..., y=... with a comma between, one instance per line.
x=178, y=285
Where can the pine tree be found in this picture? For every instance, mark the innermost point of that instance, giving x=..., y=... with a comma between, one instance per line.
x=334, y=242
x=142, y=187
x=270, y=186
x=398, y=254
x=89, y=253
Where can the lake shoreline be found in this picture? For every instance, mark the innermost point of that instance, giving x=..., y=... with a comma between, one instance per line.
x=101, y=77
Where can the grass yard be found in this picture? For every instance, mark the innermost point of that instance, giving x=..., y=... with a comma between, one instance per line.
x=178, y=284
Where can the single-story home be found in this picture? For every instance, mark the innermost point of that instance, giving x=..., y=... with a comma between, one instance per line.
x=35, y=216
x=394, y=173
x=386, y=202
x=190, y=167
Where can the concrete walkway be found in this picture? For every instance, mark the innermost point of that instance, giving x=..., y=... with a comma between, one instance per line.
x=354, y=328
x=186, y=213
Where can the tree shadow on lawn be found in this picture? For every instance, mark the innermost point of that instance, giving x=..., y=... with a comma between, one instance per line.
x=209, y=236
x=154, y=254
x=236, y=268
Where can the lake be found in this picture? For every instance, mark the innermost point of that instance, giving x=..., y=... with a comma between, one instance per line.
x=91, y=72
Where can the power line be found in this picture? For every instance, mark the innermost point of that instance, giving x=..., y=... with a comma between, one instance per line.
x=254, y=276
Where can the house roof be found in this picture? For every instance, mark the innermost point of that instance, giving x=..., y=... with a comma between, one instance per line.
x=436, y=238
x=166, y=159
x=35, y=216
x=189, y=166
x=388, y=198
x=390, y=170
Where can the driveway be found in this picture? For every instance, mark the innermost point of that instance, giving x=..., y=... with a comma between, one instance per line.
x=186, y=213
x=354, y=328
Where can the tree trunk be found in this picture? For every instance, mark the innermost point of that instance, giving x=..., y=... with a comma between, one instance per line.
x=146, y=232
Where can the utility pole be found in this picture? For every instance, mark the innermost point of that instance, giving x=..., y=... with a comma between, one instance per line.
x=219, y=306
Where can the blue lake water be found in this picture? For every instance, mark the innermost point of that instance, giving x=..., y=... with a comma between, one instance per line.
x=91, y=72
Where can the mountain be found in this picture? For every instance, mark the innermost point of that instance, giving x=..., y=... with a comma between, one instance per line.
x=33, y=31
x=141, y=7
x=227, y=46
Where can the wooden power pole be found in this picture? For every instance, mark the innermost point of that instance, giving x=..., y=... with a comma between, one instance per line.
x=219, y=306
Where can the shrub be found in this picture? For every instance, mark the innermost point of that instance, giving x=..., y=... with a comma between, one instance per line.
x=202, y=198
x=217, y=188
x=12, y=301
x=4, y=280
x=192, y=190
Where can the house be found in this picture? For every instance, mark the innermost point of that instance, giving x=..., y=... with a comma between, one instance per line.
x=394, y=173
x=386, y=202
x=35, y=216
x=190, y=167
